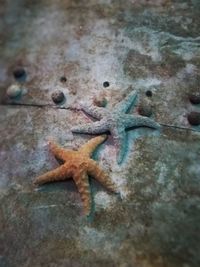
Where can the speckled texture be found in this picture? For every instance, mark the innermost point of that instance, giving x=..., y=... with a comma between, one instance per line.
x=150, y=45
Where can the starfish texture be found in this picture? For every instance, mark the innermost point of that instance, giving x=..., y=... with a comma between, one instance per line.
x=116, y=121
x=78, y=165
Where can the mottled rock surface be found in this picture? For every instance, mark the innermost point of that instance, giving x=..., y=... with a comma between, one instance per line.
x=150, y=45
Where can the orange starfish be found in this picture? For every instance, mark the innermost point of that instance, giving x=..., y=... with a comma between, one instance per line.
x=78, y=165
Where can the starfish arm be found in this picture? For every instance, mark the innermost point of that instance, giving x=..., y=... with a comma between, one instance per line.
x=96, y=127
x=90, y=146
x=97, y=173
x=58, y=174
x=59, y=153
x=94, y=111
x=119, y=137
x=125, y=104
x=139, y=121
x=82, y=183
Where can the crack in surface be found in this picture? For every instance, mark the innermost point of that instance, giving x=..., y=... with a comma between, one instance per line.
x=37, y=105
x=179, y=127
x=76, y=109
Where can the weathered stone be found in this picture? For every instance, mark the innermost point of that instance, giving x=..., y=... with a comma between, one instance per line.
x=152, y=48
x=151, y=45
x=160, y=198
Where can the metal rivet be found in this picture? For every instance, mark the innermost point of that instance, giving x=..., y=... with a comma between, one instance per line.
x=195, y=98
x=194, y=118
x=58, y=96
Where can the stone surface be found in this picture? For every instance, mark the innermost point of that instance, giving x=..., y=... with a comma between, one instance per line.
x=149, y=45
x=145, y=44
x=156, y=222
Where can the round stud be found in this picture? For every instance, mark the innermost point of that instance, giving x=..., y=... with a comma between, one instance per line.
x=58, y=97
x=100, y=101
x=149, y=93
x=145, y=110
x=14, y=91
x=194, y=118
x=195, y=98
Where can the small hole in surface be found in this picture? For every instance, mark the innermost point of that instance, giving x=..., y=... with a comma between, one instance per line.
x=149, y=93
x=19, y=74
x=106, y=84
x=63, y=79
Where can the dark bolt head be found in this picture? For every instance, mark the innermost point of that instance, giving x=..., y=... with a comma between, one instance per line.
x=58, y=97
x=63, y=79
x=149, y=93
x=194, y=118
x=195, y=98
x=145, y=110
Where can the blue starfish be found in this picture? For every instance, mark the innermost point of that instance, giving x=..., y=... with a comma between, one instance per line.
x=116, y=121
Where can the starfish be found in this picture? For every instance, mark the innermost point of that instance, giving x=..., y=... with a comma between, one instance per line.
x=78, y=165
x=116, y=121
